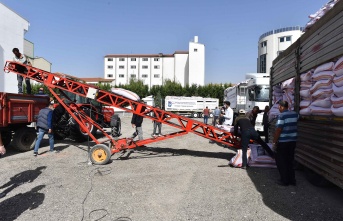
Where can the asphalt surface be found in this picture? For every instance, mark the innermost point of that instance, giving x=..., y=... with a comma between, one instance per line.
x=184, y=178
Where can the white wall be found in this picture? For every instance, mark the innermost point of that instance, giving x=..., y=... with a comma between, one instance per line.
x=196, y=63
x=168, y=68
x=12, y=29
x=181, y=69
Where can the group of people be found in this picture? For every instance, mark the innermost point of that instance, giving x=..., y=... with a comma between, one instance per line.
x=223, y=116
x=284, y=142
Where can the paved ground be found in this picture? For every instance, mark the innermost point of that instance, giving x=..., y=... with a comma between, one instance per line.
x=177, y=179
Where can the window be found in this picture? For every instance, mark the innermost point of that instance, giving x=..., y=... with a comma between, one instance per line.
x=144, y=76
x=109, y=59
x=110, y=75
x=121, y=59
x=144, y=59
x=133, y=76
x=121, y=67
x=133, y=67
x=156, y=75
x=156, y=59
x=288, y=38
x=133, y=59
x=156, y=67
x=263, y=63
x=263, y=44
x=121, y=76
x=195, y=49
x=110, y=67
x=145, y=67
x=282, y=39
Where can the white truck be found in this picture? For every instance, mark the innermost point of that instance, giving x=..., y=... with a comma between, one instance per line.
x=190, y=106
x=254, y=91
x=257, y=95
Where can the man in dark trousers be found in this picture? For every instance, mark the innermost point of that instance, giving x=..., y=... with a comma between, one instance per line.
x=265, y=123
x=20, y=58
x=248, y=132
x=44, y=126
x=136, y=122
x=284, y=143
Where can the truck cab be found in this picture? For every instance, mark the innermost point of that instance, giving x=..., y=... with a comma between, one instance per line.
x=257, y=95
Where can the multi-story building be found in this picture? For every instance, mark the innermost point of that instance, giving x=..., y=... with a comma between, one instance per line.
x=185, y=67
x=274, y=42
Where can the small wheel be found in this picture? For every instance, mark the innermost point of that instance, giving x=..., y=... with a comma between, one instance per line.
x=100, y=154
x=195, y=115
x=211, y=115
x=202, y=115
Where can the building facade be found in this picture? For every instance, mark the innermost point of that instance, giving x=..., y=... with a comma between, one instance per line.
x=185, y=67
x=12, y=28
x=274, y=42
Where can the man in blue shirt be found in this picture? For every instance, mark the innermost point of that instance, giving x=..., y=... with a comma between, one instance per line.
x=284, y=143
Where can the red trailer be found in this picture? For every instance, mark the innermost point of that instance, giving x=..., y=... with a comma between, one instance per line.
x=17, y=112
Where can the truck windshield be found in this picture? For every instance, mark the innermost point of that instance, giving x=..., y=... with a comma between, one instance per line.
x=259, y=93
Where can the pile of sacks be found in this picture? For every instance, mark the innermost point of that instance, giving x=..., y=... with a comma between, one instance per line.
x=320, y=13
x=321, y=90
x=285, y=92
x=259, y=157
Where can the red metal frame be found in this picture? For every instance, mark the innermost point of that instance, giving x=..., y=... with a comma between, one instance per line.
x=67, y=83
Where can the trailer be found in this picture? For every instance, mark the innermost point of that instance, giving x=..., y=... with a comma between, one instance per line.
x=190, y=106
x=319, y=146
x=237, y=96
x=17, y=113
x=101, y=152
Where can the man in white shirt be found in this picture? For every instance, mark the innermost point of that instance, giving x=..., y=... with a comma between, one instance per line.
x=20, y=58
x=228, y=114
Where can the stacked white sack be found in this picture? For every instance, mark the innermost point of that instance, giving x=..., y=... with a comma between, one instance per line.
x=337, y=87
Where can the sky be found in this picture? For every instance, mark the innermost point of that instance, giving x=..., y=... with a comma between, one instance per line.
x=75, y=35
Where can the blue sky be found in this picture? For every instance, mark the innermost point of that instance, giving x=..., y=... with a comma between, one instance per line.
x=75, y=35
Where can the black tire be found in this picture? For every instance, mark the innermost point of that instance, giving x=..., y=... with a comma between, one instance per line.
x=100, y=154
x=6, y=137
x=115, y=125
x=78, y=134
x=24, y=138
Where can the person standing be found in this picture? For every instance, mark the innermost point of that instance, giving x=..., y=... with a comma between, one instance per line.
x=216, y=114
x=284, y=144
x=265, y=124
x=136, y=122
x=248, y=132
x=228, y=116
x=156, y=125
x=252, y=115
x=2, y=147
x=206, y=113
x=44, y=126
x=20, y=58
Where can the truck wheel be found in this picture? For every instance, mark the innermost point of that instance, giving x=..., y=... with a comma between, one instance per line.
x=6, y=137
x=100, y=154
x=202, y=115
x=211, y=115
x=195, y=115
x=24, y=138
